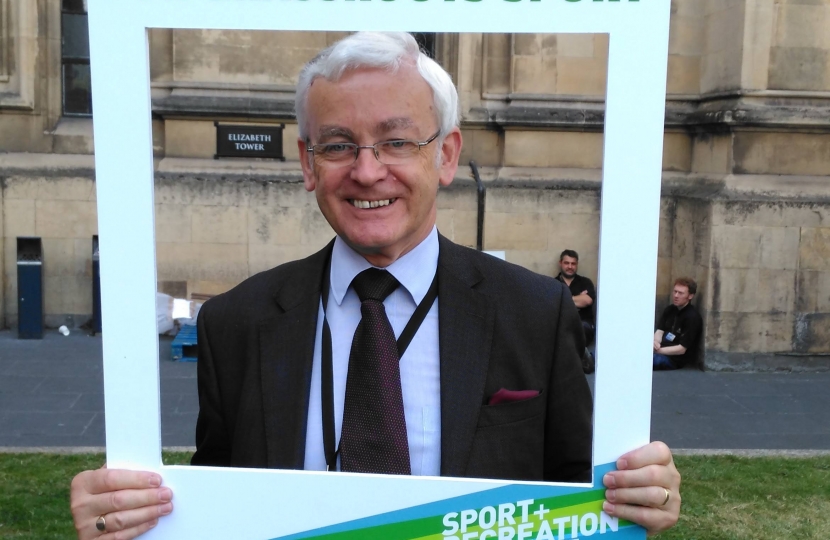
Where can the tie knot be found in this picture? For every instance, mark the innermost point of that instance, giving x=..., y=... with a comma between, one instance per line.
x=374, y=284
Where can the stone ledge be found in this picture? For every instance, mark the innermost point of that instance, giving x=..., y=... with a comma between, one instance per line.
x=534, y=177
x=73, y=135
x=710, y=187
x=704, y=114
x=230, y=168
x=707, y=116
x=16, y=102
x=223, y=106
x=49, y=165
x=588, y=116
x=748, y=187
x=765, y=362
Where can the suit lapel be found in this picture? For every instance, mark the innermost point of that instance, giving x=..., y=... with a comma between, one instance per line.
x=286, y=353
x=465, y=319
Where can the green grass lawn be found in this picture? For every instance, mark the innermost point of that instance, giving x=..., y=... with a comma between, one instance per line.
x=34, y=492
x=733, y=498
x=724, y=498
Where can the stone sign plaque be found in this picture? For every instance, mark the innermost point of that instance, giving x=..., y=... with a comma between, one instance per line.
x=249, y=141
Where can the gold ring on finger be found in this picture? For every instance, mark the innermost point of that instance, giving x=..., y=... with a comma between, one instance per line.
x=668, y=496
x=101, y=523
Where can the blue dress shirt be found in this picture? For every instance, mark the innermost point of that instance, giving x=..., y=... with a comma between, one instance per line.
x=420, y=368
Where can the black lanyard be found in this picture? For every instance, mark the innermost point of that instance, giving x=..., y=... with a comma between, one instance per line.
x=327, y=364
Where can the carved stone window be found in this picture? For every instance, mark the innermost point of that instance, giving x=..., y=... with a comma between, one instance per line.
x=77, y=87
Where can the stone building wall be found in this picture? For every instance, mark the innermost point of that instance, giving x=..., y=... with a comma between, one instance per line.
x=52, y=198
x=745, y=186
x=225, y=223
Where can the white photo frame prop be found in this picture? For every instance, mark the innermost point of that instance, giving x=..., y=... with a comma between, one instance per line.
x=269, y=504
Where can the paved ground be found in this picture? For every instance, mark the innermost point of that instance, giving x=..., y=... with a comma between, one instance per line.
x=51, y=396
x=51, y=392
x=695, y=409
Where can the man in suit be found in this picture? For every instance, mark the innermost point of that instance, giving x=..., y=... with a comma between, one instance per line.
x=497, y=392
x=263, y=361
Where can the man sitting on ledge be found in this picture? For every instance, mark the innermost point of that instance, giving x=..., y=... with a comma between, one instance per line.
x=677, y=334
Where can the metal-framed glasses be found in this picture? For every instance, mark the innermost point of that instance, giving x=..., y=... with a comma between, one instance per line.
x=394, y=152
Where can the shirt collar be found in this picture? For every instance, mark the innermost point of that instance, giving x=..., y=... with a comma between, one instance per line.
x=414, y=270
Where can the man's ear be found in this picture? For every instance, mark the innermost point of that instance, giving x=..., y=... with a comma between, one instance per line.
x=450, y=152
x=309, y=178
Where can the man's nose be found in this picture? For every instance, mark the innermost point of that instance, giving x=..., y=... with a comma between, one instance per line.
x=367, y=169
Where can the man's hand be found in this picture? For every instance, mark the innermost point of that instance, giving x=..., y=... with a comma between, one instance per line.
x=638, y=490
x=583, y=299
x=658, y=339
x=131, y=503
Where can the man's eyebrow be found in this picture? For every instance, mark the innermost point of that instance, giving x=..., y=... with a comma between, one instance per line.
x=394, y=123
x=326, y=132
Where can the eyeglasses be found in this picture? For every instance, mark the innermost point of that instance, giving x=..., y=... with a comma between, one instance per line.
x=395, y=152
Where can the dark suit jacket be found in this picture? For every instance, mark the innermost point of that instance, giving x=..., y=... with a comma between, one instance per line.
x=500, y=326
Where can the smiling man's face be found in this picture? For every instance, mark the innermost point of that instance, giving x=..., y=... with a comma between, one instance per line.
x=381, y=211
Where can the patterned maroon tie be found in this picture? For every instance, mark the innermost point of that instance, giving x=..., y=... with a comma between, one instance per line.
x=373, y=439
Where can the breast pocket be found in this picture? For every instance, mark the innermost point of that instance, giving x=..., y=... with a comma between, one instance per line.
x=515, y=411
x=509, y=441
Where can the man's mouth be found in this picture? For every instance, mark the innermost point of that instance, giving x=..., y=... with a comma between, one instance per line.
x=357, y=203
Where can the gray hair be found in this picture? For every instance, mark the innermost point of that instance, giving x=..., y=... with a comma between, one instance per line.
x=379, y=50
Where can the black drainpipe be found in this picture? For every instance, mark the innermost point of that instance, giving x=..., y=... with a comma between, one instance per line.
x=482, y=196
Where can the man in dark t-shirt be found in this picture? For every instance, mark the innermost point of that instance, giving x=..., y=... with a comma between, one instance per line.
x=582, y=289
x=678, y=331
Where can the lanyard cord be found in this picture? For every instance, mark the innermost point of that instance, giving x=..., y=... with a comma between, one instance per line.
x=327, y=367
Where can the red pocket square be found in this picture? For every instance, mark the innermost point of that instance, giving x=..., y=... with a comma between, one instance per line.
x=508, y=396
